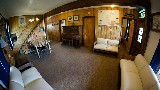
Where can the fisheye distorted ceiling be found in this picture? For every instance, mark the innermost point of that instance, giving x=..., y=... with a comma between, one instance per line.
x=9, y=8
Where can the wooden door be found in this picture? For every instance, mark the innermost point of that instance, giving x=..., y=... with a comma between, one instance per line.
x=88, y=31
x=60, y=21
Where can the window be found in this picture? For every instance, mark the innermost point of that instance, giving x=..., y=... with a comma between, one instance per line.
x=126, y=36
x=9, y=35
x=155, y=63
x=140, y=35
x=142, y=13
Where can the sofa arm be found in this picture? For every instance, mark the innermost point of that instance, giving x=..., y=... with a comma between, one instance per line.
x=95, y=43
x=30, y=75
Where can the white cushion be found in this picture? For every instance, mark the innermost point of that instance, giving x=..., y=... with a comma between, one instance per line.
x=15, y=86
x=113, y=42
x=105, y=41
x=100, y=40
x=130, y=81
x=140, y=62
x=148, y=77
x=39, y=84
x=112, y=48
x=100, y=46
x=15, y=75
x=128, y=66
x=30, y=75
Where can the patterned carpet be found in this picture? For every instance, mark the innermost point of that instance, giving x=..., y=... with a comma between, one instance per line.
x=69, y=68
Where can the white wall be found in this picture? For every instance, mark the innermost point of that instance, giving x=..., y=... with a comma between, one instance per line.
x=153, y=36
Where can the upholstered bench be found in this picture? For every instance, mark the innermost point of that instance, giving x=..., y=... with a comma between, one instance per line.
x=107, y=45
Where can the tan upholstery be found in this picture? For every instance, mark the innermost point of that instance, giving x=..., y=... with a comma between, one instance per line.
x=131, y=81
x=39, y=84
x=15, y=86
x=31, y=78
x=148, y=77
x=138, y=75
x=128, y=66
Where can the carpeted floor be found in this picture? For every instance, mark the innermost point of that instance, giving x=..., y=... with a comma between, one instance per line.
x=69, y=68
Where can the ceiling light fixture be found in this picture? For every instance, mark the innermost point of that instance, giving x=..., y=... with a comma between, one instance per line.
x=112, y=6
x=31, y=20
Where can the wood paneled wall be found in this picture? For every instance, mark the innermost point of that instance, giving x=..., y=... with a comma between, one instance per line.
x=53, y=21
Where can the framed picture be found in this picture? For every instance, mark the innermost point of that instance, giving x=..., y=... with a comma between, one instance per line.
x=75, y=17
x=156, y=22
x=63, y=22
x=22, y=21
x=70, y=18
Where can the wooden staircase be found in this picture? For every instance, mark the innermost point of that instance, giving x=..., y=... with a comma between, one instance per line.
x=25, y=34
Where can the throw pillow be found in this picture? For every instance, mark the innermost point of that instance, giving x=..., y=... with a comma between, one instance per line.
x=100, y=40
x=105, y=41
x=113, y=42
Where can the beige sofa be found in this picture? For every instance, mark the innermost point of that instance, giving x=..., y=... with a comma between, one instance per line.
x=106, y=45
x=29, y=79
x=138, y=75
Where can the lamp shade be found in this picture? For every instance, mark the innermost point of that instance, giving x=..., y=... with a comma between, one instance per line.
x=3, y=43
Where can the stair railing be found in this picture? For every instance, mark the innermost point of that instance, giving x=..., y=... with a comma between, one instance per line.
x=31, y=33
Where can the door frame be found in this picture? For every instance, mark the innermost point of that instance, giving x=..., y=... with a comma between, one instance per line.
x=134, y=32
x=60, y=30
x=83, y=28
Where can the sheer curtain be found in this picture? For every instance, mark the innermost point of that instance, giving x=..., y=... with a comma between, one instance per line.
x=155, y=63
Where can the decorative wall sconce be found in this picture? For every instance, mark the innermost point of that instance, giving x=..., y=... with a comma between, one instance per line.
x=32, y=19
x=37, y=19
